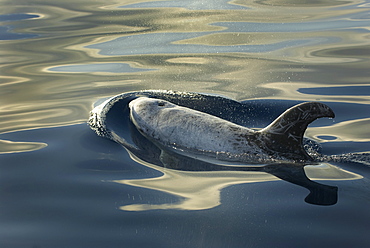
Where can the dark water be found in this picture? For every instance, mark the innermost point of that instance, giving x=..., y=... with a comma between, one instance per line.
x=63, y=186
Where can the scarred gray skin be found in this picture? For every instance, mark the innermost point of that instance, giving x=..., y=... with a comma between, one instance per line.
x=181, y=127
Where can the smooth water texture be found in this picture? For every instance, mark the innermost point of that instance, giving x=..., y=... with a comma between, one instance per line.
x=61, y=185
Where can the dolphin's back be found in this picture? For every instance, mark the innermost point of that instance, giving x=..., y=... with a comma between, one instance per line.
x=188, y=128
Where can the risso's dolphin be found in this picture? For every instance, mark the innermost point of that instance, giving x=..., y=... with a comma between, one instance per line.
x=183, y=128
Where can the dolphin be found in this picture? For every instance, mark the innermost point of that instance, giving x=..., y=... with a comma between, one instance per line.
x=191, y=130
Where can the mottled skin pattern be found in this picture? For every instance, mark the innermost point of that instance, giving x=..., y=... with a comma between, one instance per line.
x=181, y=127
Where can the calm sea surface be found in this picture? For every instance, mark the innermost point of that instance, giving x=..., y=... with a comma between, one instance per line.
x=63, y=186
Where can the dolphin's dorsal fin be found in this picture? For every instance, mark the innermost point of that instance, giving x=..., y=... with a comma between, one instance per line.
x=285, y=134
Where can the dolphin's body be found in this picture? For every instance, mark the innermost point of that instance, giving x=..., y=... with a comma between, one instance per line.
x=185, y=128
x=148, y=124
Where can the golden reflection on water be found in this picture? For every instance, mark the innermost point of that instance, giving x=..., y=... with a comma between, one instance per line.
x=281, y=61
x=293, y=3
x=290, y=92
x=232, y=39
x=201, y=190
x=352, y=130
x=7, y=146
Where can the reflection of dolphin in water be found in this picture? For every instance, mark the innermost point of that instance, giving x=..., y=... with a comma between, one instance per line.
x=185, y=128
x=320, y=194
x=111, y=119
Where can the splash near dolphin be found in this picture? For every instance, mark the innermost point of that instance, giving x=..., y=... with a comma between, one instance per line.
x=185, y=128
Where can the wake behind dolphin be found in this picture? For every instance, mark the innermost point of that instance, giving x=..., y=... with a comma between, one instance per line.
x=192, y=130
